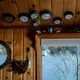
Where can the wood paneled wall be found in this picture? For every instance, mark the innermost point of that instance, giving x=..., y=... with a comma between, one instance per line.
x=19, y=42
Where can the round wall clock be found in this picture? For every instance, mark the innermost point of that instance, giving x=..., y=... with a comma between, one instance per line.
x=24, y=17
x=46, y=14
x=57, y=20
x=34, y=14
x=5, y=54
x=7, y=17
x=68, y=15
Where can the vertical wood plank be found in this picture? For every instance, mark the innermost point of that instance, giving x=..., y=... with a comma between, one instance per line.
x=8, y=37
x=57, y=8
x=12, y=8
x=33, y=64
x=1, y=38
x=69, y=5
x=39, y=60
x=1, y=12
x=77, y=16
x=18, y=49
x=22, y=51
x=45, y=5
x=27, y=43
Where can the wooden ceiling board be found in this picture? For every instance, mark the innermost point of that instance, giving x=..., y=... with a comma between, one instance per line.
x=12, y=8
x=2, y=11
x=34, y=5
x=77, y=16
x=57, y=8
x=45, y=5
x=69, y=5
x=23, y=8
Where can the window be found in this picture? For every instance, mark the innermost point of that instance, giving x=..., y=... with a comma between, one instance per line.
x=60, y=59
x=58, y=56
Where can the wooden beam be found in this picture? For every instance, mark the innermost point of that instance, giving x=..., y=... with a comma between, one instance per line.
x=42, y=26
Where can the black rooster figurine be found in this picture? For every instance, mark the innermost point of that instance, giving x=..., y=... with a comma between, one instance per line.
x=20, y=66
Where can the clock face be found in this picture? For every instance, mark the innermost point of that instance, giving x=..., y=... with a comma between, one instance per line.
x=34, y=16
x=45, y=16
x=24, y=19
x=57, y=22
x=68, y=16
x=9, y=18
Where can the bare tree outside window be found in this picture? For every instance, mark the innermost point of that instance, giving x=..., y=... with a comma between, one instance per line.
x=60, y=62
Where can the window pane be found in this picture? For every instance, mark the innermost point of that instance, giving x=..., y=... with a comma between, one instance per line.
x=60, y=62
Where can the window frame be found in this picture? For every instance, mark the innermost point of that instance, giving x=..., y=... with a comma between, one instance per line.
x=38, y=60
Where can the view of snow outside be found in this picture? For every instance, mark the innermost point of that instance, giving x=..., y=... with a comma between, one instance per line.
x=60, y=62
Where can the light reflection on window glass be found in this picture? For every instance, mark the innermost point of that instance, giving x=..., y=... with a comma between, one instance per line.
x=60, y=62
x=3, y=54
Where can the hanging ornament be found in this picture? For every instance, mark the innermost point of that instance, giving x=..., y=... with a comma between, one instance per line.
x=50, y=29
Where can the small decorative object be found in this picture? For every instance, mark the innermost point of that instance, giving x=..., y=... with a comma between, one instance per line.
x=36, y=22
x=7, y=17
x=20, y=66
x=44, y=31
x=38, y=31
x=34, y=14
x=58, y=30
x=57, y=20
x=46, y=14
x=5, y=54
x=68, y=15
x=24, y=17
x=50, y=29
